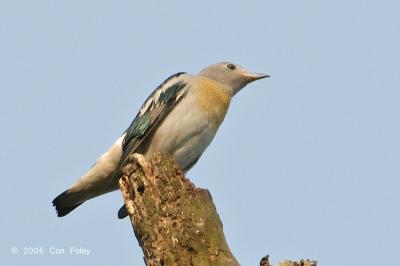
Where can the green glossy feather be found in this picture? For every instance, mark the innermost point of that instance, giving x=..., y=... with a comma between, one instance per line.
x=153, y=111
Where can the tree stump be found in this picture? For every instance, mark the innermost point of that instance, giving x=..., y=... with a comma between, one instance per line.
x=174, y=222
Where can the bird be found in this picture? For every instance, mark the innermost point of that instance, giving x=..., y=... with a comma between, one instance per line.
x=180, y=117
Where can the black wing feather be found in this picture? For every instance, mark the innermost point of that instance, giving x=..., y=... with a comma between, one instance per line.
x=157, y=106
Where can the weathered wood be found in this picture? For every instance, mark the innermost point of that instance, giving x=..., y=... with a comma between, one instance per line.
x=299, y=263
x=265, y=262
x=174, y=222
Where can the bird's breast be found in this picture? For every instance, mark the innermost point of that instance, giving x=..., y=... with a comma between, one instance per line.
x=190, y=127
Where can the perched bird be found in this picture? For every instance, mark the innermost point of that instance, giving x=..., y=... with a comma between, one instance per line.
x=181, y=117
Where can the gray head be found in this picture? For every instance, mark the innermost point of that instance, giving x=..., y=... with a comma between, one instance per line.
x=234, y=76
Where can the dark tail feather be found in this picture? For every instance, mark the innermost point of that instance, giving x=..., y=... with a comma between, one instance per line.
x=60, y=203
x=123, y=212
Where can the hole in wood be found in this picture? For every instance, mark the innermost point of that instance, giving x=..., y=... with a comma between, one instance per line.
x=141, y=189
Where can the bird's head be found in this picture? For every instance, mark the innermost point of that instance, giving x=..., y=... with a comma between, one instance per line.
x=234, y=76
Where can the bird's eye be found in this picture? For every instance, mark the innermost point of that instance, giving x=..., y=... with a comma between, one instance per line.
x=230, y=66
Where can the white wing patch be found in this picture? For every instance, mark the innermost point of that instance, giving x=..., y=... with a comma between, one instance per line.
x=153, y=101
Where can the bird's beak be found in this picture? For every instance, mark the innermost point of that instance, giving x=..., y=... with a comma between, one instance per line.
x=255, y=76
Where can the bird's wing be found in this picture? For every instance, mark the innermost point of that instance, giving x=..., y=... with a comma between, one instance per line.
x=100, y=178
x=157, y=106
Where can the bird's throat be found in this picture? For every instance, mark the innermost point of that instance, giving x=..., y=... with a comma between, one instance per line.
x=214, y=99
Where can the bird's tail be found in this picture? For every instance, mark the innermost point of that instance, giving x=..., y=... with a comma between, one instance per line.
x=101, y=178
x=89, y=186
x=65, y=203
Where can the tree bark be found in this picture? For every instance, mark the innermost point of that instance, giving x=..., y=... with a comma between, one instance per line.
x=300, y=263
x=174, y=222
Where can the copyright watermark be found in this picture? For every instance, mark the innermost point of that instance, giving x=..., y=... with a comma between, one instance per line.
x=52, y=250
x=14, y=250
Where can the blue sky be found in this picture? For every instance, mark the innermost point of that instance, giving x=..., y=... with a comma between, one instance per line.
x=306, y=163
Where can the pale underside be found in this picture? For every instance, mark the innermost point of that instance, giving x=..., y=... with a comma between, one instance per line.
x=185, y=133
